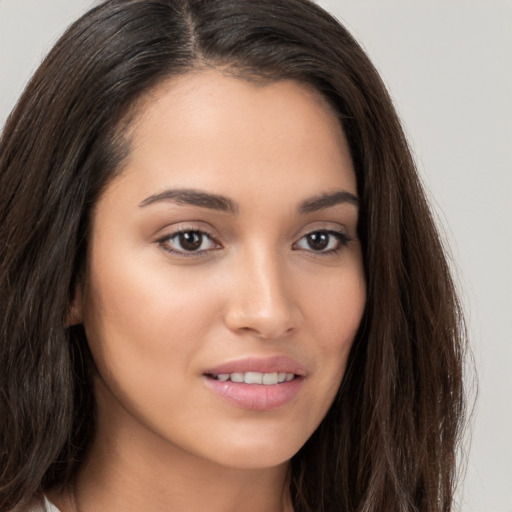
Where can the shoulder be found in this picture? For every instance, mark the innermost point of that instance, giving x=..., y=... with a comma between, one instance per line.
x=44, y=506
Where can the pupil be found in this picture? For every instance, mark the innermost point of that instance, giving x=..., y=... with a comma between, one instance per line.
x=318, y=241
x=190, y=241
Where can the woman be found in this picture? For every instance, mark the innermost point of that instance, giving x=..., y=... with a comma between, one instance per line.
x=221, y=285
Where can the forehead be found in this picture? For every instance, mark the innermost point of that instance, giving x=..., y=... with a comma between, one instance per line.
x=206, y=126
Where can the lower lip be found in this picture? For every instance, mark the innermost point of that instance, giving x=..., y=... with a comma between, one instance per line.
x=256, y=397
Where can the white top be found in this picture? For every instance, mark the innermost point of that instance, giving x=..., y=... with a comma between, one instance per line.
x=46, y=506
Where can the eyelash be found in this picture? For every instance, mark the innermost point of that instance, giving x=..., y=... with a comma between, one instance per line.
x=166, y=240
x=342, y=238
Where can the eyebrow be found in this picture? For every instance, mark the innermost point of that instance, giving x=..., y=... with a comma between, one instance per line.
x=224, y=204
x=327, y=200
x=194, y=198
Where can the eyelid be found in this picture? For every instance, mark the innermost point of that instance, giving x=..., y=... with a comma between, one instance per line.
x=182, y=228
x=342, y=236
x=333, y=229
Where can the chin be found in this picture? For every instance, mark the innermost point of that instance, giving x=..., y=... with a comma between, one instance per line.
x=256, y=452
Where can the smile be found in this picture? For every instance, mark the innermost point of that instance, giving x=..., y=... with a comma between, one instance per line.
x=266, y=379
x=257, y=384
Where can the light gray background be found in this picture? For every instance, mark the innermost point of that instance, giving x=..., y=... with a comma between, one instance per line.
x=448, y=64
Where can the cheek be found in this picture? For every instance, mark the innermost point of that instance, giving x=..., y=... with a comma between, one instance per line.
x=333, y=313
x=138, y=313
x=335, y=309
x=145, y=323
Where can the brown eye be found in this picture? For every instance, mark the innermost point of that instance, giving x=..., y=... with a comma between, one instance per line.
x=188, y=242
x=318, y=241
x=323, y=241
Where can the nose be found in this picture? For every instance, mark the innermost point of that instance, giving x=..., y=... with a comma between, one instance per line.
x=261, y=298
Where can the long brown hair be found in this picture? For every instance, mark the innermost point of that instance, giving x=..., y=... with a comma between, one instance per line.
x=389, y=441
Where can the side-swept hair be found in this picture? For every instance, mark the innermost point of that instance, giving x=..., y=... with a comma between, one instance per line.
x=389, y=441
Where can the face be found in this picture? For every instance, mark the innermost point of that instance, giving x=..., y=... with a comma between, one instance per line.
x=224, y=284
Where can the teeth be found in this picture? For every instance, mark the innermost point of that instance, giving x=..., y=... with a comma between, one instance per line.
x=253, y=378
x=268, y=379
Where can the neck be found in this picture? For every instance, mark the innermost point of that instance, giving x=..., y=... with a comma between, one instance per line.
x=179, y=483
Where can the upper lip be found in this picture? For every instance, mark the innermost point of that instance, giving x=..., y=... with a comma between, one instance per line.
x=279, y=364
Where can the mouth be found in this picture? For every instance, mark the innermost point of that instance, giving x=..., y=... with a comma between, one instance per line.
x=265, y=379
x=253, y=370
x=257, y=384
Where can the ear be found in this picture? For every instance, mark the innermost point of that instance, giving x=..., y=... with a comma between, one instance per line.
x=75, y=315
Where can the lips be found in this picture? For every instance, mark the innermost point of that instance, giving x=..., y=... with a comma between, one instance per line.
x=277, y=364
x=257, y=384
x=267, y=379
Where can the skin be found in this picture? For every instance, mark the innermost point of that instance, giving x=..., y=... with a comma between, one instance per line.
x=156, y=320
